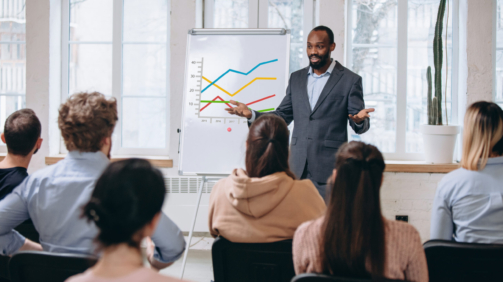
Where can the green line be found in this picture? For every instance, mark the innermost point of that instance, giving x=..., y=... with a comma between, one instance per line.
x=266, y=110
x=218, y=102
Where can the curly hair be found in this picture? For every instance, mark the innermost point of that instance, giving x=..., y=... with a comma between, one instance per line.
x=85, y=119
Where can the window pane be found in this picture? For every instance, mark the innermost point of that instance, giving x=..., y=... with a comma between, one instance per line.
x=144, y=122
x=422, y=16
x=230, y=14
x=91, y=20
x=90, y=68
x=145, y=22
x=12, y=58
x=499, y=53
x=289, y=14
x=144, y=70
x=373, y=57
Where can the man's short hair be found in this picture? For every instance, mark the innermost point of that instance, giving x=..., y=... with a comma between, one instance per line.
x=22, y=130
x=85, y=119
x=327, y=30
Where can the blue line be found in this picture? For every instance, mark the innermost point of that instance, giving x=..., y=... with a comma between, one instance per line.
x=231, y=70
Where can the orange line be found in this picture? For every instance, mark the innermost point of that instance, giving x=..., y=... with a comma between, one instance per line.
x=240, y=89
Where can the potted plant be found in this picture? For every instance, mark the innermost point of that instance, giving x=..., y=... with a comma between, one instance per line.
x=439, y=139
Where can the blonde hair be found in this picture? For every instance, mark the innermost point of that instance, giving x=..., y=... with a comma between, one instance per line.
x=85, y=119
x=483, y=129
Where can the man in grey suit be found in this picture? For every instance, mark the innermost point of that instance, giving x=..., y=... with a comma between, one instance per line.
x=320, y=98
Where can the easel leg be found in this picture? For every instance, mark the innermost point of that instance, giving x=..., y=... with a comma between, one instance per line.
x=193, y=225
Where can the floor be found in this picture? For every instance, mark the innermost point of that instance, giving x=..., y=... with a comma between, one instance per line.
x=199, y=267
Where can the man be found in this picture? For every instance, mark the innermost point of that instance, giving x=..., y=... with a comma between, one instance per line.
x=320, y=98
x=53, y=197
x=22, y=136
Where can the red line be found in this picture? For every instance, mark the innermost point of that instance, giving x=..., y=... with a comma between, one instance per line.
x=219, y=98
x=265, y=98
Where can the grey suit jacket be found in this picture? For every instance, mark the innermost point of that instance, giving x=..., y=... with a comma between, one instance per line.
x=318, y=134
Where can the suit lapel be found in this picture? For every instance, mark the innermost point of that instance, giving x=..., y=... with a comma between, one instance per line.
x=335, y=76
x=303, y=87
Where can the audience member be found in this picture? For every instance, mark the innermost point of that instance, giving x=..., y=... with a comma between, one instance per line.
x=126, y=206
x=264, y=203
x=22, y=136
x=53, y=196
x=353, y=238
x=468, y=205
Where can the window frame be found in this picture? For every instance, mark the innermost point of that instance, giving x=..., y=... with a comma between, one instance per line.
x=258, y=16
x=400, y=153
x=117, y=74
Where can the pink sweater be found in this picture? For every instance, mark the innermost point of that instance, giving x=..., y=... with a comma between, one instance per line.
x=140, y=275
x=405, y=258
x=259, y=210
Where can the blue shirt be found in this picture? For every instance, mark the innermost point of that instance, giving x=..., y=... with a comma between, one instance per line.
x=53, y=198
x=468, y=205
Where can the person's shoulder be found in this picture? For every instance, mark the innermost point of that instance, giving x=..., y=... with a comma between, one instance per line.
x=82, y=277
x=456, y=178
x=297, y=73
x=148, y=274
x=311, y=225
x=401, y=229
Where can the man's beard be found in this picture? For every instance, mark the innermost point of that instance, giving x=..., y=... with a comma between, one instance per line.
x=323, y=60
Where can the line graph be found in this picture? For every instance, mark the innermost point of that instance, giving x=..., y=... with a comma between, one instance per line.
x=214, y=101
x=240, y=89
x=238, y=72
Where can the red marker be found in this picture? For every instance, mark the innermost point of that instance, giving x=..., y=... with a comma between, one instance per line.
x=229, y=129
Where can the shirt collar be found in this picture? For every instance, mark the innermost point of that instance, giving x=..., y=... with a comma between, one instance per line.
x=328, y=72
x=496, y=160
x=76, y=155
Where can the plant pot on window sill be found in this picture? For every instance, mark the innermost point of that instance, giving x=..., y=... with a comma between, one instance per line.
x=439, y=142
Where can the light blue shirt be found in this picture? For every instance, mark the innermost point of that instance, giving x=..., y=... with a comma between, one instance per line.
x=53, y=198
x=468, y=205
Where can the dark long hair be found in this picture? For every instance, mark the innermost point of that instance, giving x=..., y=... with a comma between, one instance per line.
x=267, y=150
x=353, y=228
x=127, y=196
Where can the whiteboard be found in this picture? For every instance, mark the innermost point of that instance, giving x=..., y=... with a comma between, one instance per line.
x=249, y=66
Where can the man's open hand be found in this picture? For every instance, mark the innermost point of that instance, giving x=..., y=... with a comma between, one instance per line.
x=240, y=110
x=361, y=116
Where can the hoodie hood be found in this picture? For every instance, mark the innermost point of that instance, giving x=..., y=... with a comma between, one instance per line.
x=257, y=197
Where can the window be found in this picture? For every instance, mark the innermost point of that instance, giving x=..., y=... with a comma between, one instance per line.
x=390, y=45
x=296, y=15
x=120, y=48
x=12, y=59
x=498, y=75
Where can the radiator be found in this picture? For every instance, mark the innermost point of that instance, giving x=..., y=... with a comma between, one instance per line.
x=186, y=185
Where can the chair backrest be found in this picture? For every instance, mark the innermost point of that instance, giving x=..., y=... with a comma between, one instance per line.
x=250, y=262
x=452, y=261
x=315, y=277
x=45, y=266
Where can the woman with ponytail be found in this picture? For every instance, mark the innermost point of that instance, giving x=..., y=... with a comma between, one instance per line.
x=353, y=239
x=265, y=203
x=126, y=207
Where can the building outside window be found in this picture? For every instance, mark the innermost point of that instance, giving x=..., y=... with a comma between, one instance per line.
x=498, y=72
x=12, y=59
x=390, y=45
x=120, y=48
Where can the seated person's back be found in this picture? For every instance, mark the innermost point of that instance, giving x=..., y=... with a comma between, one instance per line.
x=468, y=205
x=353, y=239
x=264, y=203
x=126, y=206
x=22, y=136
x=53, y=196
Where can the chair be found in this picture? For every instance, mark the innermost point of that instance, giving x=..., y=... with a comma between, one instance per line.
x=314, y=277
x=45, y=266
x=452, y=261
x=252, y=262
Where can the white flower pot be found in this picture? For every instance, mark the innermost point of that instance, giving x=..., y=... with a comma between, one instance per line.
x=439, y=142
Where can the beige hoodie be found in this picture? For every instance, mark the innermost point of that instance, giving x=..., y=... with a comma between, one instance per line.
x=267, y=209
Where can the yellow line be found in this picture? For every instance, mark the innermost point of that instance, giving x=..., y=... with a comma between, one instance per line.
x=248, y=84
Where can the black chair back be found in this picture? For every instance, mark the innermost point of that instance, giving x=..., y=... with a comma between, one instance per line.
x=452, y=261
x=45, y=266
x=252, y=262
x=314, y=277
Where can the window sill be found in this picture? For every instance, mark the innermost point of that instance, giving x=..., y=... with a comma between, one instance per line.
x=419, y=167
x=164, y=162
